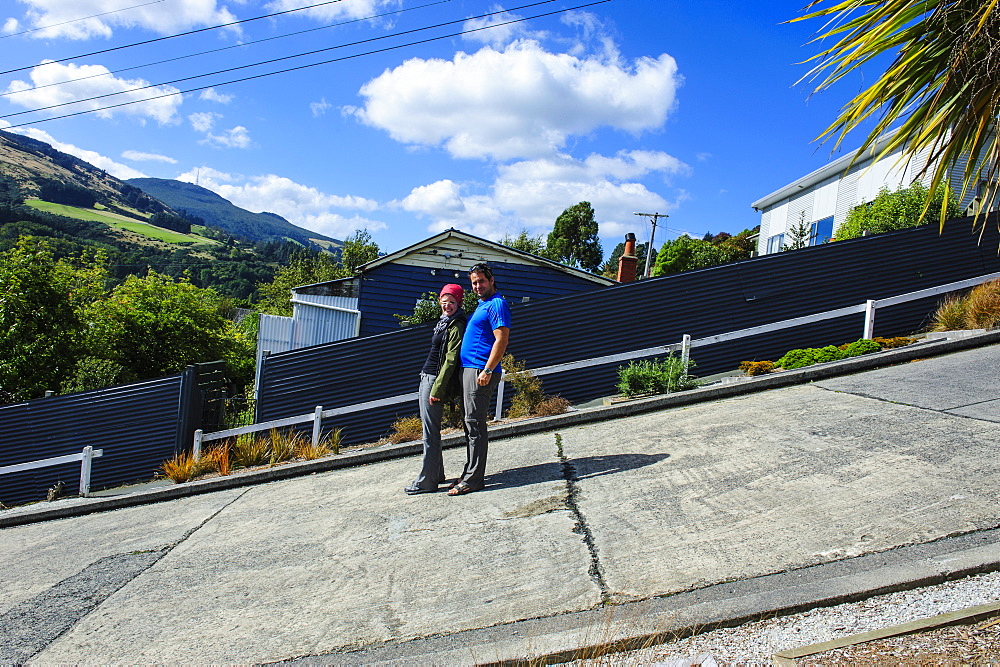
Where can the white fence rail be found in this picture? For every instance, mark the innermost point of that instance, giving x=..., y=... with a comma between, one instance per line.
x=85, y=457
x=684, y=346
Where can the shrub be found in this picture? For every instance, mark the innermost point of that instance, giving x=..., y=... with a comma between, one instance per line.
x=552, y=405
x=655, y=376
x=283, y=445
x=220, y=457
x=179, y=469
x=753, y=368
x=979, y=309
x=529, y=398
x=797, y=358
x=861, y=346
x=406, y=429
x=327, y=445
x=249, y=451
x=894, y=342
x=828, y=353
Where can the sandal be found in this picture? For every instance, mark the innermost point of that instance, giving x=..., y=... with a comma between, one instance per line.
x=455, y=482
x=413, y=490
x=460, y=489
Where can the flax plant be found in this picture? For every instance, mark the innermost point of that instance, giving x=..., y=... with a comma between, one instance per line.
x=941, y=93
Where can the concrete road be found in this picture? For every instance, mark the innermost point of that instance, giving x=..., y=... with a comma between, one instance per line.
x=609, y=512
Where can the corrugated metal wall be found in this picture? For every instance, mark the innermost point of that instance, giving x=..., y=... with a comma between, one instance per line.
x=316, y=324
x=394, y=288
x=137, y=425
x=650, y=312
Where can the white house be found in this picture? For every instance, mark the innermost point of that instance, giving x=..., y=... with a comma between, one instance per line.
x=825, y=196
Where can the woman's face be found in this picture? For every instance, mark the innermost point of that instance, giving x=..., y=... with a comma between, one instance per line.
x=448, y=305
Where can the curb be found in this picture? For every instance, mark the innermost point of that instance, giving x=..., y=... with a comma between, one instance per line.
x=592, y=633
x=919, y=350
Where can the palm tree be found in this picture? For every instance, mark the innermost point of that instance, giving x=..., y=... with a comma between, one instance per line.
x=941, y=91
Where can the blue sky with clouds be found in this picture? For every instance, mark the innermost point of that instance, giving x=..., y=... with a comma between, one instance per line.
x=689, y=109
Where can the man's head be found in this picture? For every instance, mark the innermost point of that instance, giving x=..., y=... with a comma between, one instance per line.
x=483, y=284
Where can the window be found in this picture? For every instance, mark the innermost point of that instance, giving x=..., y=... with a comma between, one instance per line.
x=775, y=242
x=821, y=231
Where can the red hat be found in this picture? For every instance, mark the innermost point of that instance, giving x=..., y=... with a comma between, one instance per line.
x=454, y=290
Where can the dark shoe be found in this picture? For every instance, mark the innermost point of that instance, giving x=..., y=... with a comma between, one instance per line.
x=412, y=490
x=460, y=489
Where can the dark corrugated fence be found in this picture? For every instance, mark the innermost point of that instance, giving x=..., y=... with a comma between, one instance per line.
x=137, y=425
x=653, y=312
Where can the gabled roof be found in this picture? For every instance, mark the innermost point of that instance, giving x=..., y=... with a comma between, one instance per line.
x=465, y=250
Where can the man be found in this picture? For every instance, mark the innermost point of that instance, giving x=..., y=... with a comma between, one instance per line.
x=483, y=346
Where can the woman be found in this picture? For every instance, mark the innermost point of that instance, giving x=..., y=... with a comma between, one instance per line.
x=440, y=380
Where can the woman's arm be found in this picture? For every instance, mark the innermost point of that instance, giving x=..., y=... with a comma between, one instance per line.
x=449, y=364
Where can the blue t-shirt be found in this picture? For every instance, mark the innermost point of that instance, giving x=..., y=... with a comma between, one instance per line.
x=491, y=314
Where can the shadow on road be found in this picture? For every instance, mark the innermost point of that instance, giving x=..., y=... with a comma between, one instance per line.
x=583, y=468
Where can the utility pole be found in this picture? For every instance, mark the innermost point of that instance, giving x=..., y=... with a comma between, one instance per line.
x=654, y=217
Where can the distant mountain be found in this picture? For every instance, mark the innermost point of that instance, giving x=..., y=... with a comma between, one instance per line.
x=37, y=167
x=223, y=214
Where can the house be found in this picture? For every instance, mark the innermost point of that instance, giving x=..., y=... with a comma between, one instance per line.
x=364, y=305
x=823, y=198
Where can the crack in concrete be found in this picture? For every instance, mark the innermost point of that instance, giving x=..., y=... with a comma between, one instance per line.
x=30, y=626
x=581, y=527
x=940, y=411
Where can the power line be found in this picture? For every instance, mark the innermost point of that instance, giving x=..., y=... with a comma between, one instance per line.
x=299, y=67
x=85, y=18
x=166, y=37
x=226, y=48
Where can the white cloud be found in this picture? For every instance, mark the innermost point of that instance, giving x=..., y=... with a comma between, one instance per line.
x=533, y=193
x=137, y=156
x=344, y=9
x=10, y=25
x=203, y=121
x=212, y=95
x=300, y=204
x=56, y=83
x=116, y=169
x=504, y=32
x=521, y=102
x=162, y=17
x=319, y=108
x=237, y=137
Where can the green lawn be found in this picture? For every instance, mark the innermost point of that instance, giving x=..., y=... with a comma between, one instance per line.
x=119, y=221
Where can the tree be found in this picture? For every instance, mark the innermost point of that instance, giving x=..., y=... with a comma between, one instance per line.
x=41, y=326
x=526, y=243
x=939, y=93
x=573, y=240
x=306, y=268
x=896, y=210
x=798, y=235
x=358, y=249
x=685, y=253
x=152, y=326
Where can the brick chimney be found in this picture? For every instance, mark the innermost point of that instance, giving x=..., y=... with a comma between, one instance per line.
x=628, y=260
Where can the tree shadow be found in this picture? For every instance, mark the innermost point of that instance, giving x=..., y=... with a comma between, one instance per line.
x=587, y=467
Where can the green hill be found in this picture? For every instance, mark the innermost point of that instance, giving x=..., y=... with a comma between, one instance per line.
x=194, y=200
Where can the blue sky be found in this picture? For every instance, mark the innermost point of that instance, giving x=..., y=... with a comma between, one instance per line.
x=688, y=109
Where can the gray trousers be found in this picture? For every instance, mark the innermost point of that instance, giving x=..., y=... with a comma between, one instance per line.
x=432, y=471
x=476, y=400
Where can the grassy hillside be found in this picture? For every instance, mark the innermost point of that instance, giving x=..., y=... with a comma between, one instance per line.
x=118, y=221
x=218, y=212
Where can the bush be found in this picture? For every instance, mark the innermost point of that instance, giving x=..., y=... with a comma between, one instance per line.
x=828, y=353
x=797, y=358
x=249, y=451
x=529, y=399
x=753, y=368
x=406, y=429
x=894, y=342
x=861, y=346
x=979, y=309
x=655, y=376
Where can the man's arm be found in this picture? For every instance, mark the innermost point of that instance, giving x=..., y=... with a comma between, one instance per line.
x=500, y=337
